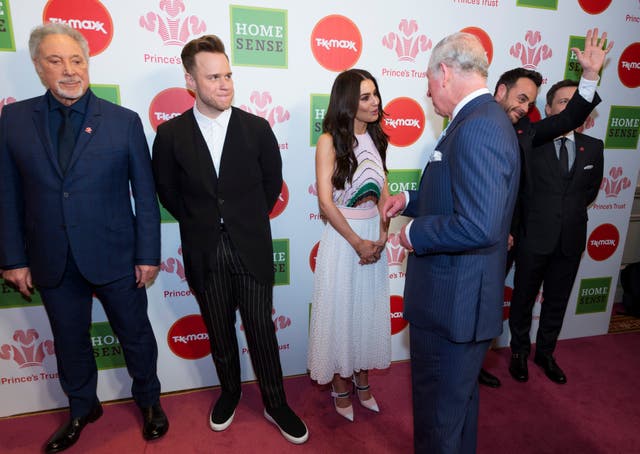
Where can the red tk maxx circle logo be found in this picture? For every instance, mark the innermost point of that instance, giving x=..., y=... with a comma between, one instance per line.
x=403, y=122
x=169, y=103
x=89, y=17
x=281, y=202
x=484, y=38
x=313, y=255
x=594, y=6
x=397, y=308
x=506, y=306
x=336, y=43
x=534, y=114
x=603, y=242
x=629, y=66
x=188, y=338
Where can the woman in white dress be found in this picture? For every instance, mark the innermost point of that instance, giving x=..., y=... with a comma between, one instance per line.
x=350, y=330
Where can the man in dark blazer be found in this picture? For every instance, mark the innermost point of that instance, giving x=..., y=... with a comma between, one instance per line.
x=516, y=91
x=563, y=180
x=68, y=161
x=455, y=275
x=218, y=172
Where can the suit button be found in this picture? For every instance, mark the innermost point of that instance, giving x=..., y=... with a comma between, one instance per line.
x=220, y=201
x=65, y=195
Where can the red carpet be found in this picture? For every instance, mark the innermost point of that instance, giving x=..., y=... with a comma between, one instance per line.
x=597, y=411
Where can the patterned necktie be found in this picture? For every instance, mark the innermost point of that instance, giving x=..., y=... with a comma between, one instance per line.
x=563, y=156
x=66, y=139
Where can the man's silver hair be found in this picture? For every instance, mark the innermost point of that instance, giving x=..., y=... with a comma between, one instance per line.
x=38, y=34
x=461, y=51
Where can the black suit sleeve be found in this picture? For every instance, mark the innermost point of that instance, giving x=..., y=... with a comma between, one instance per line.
x=594, y=185
x=574, y=115
x=164, y=166
x=271, y=165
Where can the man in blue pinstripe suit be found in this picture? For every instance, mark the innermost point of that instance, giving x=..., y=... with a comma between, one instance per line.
x=455, y=275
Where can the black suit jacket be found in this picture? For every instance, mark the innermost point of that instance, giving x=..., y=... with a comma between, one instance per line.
x=531, y=135
x=554, y=207
x=243, y=193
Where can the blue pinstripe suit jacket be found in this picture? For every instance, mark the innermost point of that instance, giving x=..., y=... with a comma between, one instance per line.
x=462, y=212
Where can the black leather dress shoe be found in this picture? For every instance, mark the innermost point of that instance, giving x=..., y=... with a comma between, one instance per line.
x=487, y=379
x=154, y=422
x=551, y=368
x=518, y=367
x=69, y=432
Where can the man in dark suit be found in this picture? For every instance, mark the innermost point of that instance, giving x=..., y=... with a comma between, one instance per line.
x=67, y=162
x=516, y=91
x=563, y=179
x=455, y=275
x=218, y=172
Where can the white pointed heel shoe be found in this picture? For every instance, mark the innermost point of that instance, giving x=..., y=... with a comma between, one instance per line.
x=370, y=403
x=345, y=412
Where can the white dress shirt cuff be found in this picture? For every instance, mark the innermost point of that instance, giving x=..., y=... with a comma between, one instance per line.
x=587, y=88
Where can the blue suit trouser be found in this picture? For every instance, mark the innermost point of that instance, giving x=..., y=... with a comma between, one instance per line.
x=444, y=377
x=68, y=306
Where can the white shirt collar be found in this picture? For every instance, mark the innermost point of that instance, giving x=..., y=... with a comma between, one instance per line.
x=204, y=121
x=466, y=99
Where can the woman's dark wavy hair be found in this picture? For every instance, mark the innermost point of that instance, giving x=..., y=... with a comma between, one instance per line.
x=338, y=121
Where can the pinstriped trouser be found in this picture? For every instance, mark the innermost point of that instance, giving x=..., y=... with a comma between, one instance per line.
x=231, y=286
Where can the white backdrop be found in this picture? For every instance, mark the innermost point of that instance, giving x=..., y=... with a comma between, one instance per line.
x=136, y=48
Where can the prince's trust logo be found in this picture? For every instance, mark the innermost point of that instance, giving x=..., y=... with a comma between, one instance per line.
x=27, y=350
x=261, y=105
x=531, y=52
x=408, y=44
x=173, y=26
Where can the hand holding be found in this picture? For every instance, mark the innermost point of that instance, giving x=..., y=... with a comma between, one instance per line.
x=368, y=251
x=594, y=54
x=404, y=239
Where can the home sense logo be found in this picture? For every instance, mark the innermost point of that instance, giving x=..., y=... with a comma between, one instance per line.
x=404, y=121
x=629, y=66
x=10, y=297
x=336, y=43
x=594, y=6
x=90, y=17
x=106, y=346
x=573, y=69
x=603, y=242
x=169, y=103
x=623, y=127
x=108, y=92
x=6, y=28
x=403, y=180
x=259, y=37
x=188, y=339
x=281, y=261
x=593, y=295
x=542, y=4
x=318, y=109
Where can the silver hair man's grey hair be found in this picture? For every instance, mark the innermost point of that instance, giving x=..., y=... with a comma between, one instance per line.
x=38, y=34
x=461, y=51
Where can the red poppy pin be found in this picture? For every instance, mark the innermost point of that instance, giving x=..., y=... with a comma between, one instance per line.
x=88, y=130
x=519, y=131
x=581, y=149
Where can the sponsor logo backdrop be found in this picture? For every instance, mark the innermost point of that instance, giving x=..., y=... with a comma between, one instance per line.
x=285, y=55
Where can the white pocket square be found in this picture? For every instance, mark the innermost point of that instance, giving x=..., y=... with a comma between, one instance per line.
x=435, y=156
x=589, y=167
